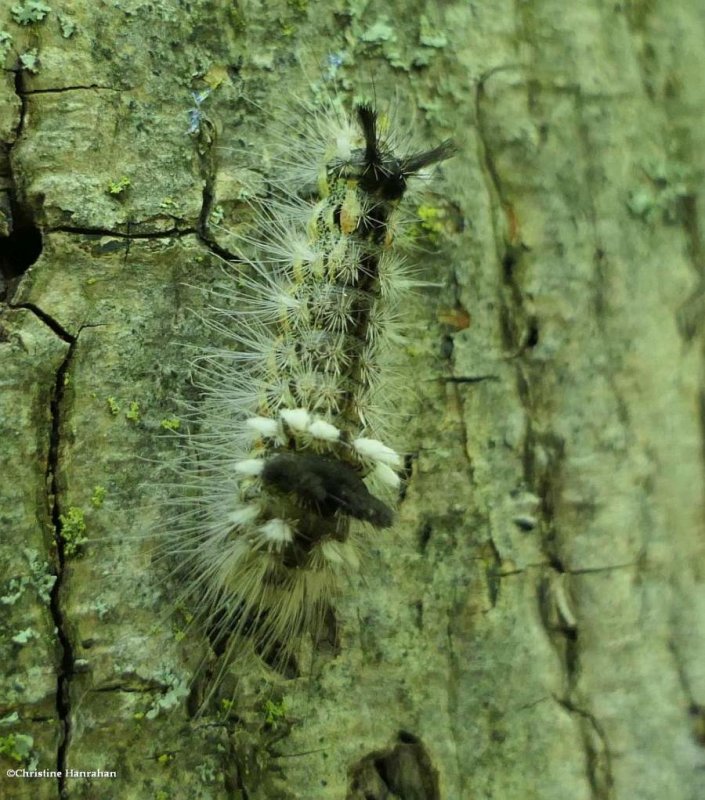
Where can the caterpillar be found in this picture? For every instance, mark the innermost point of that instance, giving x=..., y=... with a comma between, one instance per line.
x=290, y=467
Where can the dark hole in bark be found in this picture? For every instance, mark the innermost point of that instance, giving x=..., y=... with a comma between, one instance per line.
x=19, y=250
x=532, y=334
x=403, y=771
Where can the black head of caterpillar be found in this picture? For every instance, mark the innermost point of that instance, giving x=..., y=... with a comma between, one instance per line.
x=291, y=453
x=384, y=174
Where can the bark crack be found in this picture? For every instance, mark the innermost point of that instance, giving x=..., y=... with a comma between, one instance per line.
x=680, y=671
x=205, y=140
x=597, y=751
x=21, y=94
x=48, y=320
x=66, y=665
x=128, y=235
x=469, y=378
x=514, y=319
x=696, y=710
x=59, y=89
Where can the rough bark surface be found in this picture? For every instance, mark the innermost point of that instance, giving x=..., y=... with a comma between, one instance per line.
x=534, y=626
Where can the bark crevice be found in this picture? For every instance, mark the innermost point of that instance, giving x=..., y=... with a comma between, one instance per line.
x=66, y=666
x=598, y=757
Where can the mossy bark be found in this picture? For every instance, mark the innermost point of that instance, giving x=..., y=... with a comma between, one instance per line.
x=534, y=626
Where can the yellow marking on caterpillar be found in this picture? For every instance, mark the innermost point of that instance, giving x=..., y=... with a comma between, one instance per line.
x=351, y=209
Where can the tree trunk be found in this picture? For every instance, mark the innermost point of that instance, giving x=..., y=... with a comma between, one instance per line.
x=532, y=626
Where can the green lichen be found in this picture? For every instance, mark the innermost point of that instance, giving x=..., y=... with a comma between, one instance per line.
x=662, y=194
x=16, y=746
x=24, y=636
x=30, y=61
x=29, y=12
x=98, y=496
x=73, y=530
x=5, y=44
x=101, y=608
x=430, y=35
x=274, y=712
x=380, y=32
x=171, y=423
x=38, y=577
x=119, y=186
x=431, y=221
x=67, y=25
x=175, y=691
x=113, y=406
x=15, y=590
x=168, y=204
x=133, y=412
x=41, y=579
x=216, y=216
x=207, y=771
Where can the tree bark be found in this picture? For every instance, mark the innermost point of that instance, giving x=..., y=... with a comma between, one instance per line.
x=533, y=626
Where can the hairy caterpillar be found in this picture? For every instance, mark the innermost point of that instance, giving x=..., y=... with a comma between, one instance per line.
x=290, y=467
